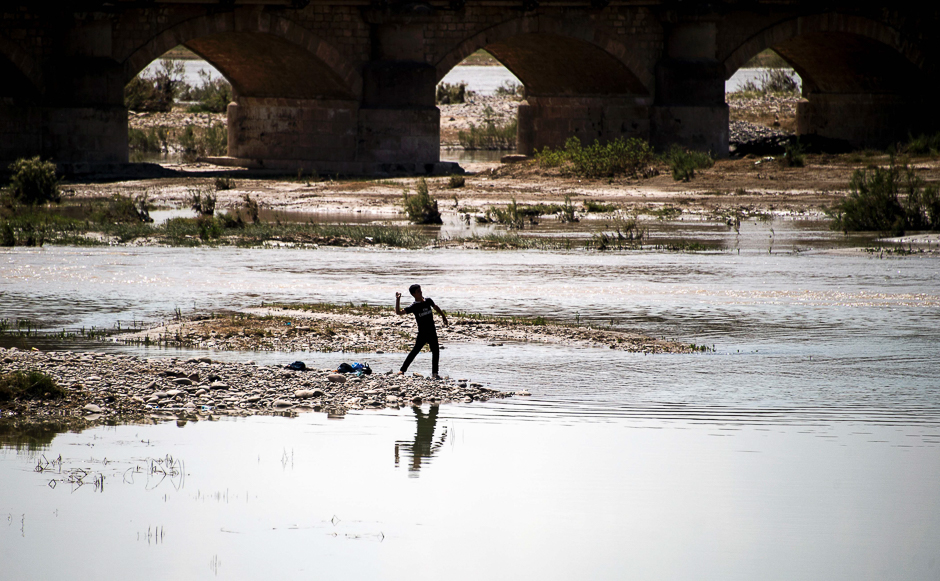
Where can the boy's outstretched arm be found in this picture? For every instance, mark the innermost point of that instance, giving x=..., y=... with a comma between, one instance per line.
x=398, y=309
x=441, y=313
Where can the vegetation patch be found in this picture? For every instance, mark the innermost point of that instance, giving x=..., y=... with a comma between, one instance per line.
x=777, y=82
x=420, y=206
x=889, y=200
x=211, y=96
x=157, y=90
x=32, y=385
x=33, y=181
x=684, y=162
x=489, y=135
x=593, y=207
x=452, y=93
x=511, y=90
x=623, y=232
x=630, y=157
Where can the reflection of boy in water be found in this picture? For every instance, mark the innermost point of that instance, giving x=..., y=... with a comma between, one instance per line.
x=427, y=332
x=423, y=446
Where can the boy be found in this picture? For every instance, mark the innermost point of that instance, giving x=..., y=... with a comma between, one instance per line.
x=427, y=332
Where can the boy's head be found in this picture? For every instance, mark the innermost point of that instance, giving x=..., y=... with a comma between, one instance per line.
x=415, y=290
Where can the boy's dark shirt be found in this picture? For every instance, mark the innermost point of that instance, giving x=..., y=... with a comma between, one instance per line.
x=423, y=316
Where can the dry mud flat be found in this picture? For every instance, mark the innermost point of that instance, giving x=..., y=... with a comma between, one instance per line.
x=106, y=387
x=335, y=328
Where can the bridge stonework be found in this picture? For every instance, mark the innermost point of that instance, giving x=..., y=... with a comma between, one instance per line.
x=348, y=85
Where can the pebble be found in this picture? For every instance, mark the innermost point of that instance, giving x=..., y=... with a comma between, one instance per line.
x=336, y=378
x=183, y=381
x=92, y=408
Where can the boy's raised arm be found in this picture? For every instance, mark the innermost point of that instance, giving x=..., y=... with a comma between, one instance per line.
x=398, y=310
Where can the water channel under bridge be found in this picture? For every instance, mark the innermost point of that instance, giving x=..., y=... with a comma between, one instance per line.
x=348, y=87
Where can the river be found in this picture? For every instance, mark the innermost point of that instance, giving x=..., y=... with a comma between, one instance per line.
x=805, y=446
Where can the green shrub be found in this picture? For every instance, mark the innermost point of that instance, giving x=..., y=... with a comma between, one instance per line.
x=211, y=96
x=150, y=140
x=625, y=232
x=489, y=135
x=775, y=81
x=209, y=227
x=155, y=91
x=591, y=206
x=34, y=181
x=124, y=209
x=793, y=154
x=224, y=183
x=32, y=385
x=568, y=211
x=420, y=207
x=512, y=90
x=922, y=145
x=875, y=202
x=456, y=181
x=451, y=94
x=511, y=216
x=684, y=162
x=252, y=209
x=196, y=142
x=7, y=237
x=618, y=157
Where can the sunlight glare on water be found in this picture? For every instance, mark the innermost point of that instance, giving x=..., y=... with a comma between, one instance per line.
x=806, y=446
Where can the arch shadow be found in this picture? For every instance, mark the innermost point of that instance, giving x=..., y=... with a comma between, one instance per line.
x=21, y=74
x=262, y=56
x=557, y=58
x=836, y=53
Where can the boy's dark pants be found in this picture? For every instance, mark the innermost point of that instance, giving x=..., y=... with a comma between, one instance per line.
x=420, y=342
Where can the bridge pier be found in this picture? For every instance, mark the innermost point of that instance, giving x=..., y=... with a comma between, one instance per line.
x=279, y=132
x=550, y=121
x=83, y=121
x=690, y=107
x=864, y=120
x=399, y=122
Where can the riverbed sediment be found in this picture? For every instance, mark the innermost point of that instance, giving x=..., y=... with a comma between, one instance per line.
x=104, y=387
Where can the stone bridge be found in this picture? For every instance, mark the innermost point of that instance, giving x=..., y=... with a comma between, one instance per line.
x=348, y=85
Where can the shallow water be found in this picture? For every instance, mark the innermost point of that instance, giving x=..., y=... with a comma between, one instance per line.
x=806, y=446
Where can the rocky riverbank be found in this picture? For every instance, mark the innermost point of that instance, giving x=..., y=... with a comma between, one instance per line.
x=111, y=388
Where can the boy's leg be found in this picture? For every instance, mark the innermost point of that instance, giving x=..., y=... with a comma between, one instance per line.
x=435, y=354
x=420, y=342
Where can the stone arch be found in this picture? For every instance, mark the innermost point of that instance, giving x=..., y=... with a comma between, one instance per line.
x=22, y=74
x=858, y=54
x=540, y=49
x=260, y=54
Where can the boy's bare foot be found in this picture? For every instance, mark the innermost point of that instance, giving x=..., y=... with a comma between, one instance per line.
x=435, y=376
x=400, y=373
